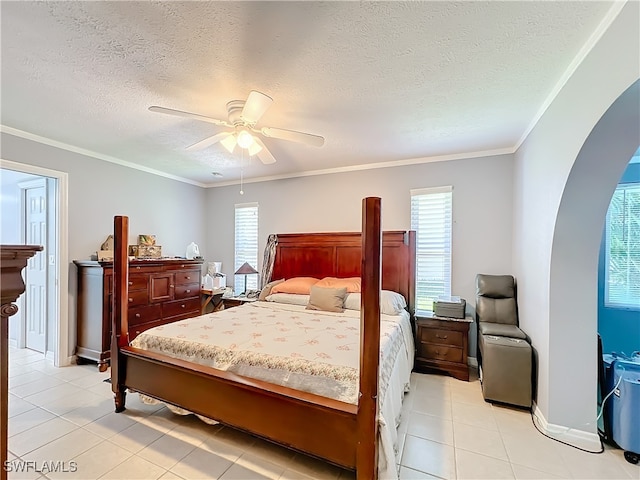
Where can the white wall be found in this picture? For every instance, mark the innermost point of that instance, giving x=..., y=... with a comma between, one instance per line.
x=557, y=281
x=482, y=211
x=99, y=190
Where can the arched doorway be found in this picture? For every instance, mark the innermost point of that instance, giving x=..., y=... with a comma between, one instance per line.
x=574, y=255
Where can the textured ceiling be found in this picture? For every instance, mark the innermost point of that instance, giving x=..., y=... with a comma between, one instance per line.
x=381, y=81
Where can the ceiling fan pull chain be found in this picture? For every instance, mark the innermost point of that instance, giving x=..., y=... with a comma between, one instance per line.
x=242, y=172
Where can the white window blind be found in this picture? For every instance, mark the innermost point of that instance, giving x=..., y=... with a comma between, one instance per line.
x=431, y=218
x=246, y=244
x=622, y=250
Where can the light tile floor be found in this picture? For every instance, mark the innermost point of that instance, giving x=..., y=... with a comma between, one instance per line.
x=448, y=431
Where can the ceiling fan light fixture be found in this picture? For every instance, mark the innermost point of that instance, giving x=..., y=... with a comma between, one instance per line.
x=229, y=143
x=245, y=139
x=254, y=149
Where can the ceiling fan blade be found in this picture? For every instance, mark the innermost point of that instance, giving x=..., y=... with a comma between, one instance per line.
x=180, y=113
x=264, y=155
x=208, y=141
x=257, y=103
x=293, y=136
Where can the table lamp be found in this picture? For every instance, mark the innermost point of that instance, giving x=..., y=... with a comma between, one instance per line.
x=245, y=270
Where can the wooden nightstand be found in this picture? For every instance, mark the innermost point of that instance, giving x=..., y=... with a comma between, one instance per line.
x=442, y=344
x=230, y=302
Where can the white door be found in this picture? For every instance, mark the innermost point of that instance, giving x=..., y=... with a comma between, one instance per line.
x=35, y=210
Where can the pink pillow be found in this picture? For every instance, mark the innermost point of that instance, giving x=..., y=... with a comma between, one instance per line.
x=299, y=285
x=352, y=284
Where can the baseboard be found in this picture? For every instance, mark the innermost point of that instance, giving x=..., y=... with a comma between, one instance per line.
x=66, y=361
x=13, y=343
x=472, y=362
x=572, y=436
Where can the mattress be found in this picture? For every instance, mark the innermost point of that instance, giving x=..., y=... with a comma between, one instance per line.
x=308, y=350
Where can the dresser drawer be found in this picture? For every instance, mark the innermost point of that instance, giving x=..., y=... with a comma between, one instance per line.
x=148, y=313
x=137, y=281
x=137, y=297
x=181, y=307
x=138, y=329
x=440, y=352
x=443, y=337
x=187, y=276
x=187, y=290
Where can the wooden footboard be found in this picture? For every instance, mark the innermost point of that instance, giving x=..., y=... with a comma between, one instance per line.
x=340, y=433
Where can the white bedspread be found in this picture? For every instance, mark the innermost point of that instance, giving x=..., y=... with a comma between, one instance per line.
x=303, y=349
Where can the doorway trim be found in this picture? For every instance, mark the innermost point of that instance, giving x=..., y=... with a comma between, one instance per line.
x=61, y=353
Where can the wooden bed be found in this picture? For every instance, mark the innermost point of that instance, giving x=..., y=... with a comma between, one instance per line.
x=338, y=432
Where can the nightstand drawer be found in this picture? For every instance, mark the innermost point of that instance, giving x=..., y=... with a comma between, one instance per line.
x=439, y=352
x=442, y=337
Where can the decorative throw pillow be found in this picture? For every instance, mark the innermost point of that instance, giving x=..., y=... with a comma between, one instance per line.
x=327, y=299
x=391, y=303
x=352, y=284
x=288, y=298
x=299, y=285
x=266, y=290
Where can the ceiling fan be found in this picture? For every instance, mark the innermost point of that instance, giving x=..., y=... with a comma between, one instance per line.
x=242, y=118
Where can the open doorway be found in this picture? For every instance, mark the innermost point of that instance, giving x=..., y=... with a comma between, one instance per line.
x=33, y=211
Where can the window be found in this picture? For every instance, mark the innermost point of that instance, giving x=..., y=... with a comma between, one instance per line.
x=431, y=219
x=622, y=263
x=246, y=244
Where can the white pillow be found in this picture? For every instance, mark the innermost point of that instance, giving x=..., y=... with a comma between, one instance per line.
x=391, y=303
x=289, y=298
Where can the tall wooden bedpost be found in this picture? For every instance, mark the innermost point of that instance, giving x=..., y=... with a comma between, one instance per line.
x=119, y=320
x=13, y=258
x=367, y=417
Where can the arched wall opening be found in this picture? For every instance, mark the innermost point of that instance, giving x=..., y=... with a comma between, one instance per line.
x=573, y=280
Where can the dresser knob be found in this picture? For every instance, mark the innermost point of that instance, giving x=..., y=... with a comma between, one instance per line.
x=130, y=300
x=130, y=283
x=137, y=315
x=188, y=291
x=183, y=306
x=188, y=277
x=443, y=338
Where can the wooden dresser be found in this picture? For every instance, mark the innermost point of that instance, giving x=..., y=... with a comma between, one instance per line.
x=160, y=291
x=442, y=344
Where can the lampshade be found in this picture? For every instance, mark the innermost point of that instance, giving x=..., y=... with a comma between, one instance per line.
x=254, y=148
x=229, y=143
x=246, y=269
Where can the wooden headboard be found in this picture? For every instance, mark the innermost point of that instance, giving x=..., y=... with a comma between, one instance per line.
x=339, y=255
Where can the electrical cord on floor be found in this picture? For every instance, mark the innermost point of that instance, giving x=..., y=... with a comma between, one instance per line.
x=597, y=418
x=566, y=443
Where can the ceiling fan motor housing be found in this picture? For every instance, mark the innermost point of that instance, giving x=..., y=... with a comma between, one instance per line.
x=234, y=111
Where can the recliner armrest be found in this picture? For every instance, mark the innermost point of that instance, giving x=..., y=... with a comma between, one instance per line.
x=501, y=330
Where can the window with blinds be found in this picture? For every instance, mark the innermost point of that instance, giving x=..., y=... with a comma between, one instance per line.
x=246, y=244
x=622, y=264
x=431, y=218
